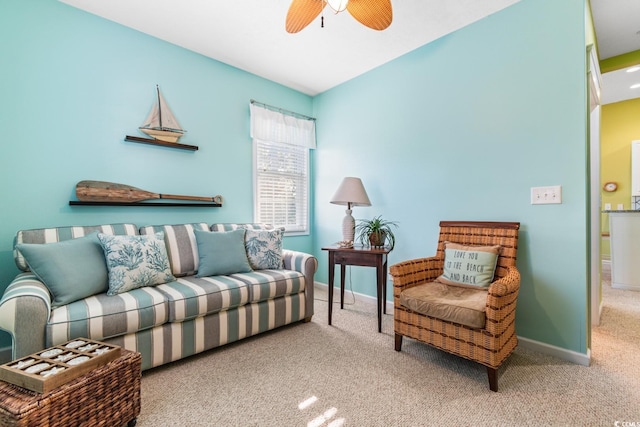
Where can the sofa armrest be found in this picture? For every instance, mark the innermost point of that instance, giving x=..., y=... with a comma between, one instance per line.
x=299, y=261
x=413, y=272
x=306, y=264
x=24, y=311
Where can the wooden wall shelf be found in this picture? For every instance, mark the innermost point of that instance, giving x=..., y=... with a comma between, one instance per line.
x=162, y=143
x=167, y=204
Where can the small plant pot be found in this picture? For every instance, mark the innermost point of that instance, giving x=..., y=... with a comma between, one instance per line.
x=377, y=238
x=376, y=232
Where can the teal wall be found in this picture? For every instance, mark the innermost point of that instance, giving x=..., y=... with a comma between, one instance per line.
x=461, y=129
x=458, y=129
x=73, y=85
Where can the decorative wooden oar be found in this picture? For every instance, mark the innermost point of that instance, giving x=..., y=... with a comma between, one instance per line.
x=101, y=191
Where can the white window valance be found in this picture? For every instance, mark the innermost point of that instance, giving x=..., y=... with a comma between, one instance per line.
x=275, y=126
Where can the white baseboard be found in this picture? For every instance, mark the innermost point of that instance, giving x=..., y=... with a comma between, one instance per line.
x=624, y=286
x=369, y=298
x=560, y=353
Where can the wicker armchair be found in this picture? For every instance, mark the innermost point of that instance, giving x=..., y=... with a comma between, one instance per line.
x=490, y=345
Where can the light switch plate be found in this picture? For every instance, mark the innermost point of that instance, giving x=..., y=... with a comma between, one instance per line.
x=546, y=195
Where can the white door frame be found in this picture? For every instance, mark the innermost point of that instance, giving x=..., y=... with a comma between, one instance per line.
x=595, y=87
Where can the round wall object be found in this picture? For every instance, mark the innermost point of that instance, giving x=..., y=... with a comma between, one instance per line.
x=610, y=187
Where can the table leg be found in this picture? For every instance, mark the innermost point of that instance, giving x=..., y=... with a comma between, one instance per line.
x=342, y=274
x=332, y=267
x=379, y=279
x=384, y=286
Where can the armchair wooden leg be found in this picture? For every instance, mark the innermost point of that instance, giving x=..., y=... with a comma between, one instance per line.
x=398, y=342
x=493, y=378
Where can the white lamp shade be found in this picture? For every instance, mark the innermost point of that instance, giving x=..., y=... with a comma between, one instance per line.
x=351, y=193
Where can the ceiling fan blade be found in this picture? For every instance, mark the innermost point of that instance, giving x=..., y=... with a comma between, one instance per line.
x=375, y=14
x=302, y=12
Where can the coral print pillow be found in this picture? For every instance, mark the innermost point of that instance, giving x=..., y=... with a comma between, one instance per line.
x=264, y=248
x=135, y=261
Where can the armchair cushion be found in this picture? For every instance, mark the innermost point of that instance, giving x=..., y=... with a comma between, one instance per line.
x=469, y=265
x=462, y=305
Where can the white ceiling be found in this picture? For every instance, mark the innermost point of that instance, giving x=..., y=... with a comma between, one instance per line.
x=616, y=85
x=250, y=35
x=617, y=24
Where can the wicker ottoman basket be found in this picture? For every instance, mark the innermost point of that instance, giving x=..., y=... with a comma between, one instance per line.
x=106, y=396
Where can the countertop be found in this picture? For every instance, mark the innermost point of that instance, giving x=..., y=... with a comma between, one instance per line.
x=622, y=211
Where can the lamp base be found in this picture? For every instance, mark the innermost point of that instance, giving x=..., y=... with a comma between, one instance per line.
x=348, y=227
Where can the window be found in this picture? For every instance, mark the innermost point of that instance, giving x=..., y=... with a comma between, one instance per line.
x=281, y=144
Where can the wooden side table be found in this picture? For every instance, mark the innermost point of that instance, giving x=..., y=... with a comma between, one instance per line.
x=360, y=256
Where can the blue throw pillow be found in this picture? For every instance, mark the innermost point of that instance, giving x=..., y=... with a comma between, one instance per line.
x=71, y=270
x=221, y=253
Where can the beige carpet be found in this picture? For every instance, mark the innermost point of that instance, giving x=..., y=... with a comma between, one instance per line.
x=348, y=374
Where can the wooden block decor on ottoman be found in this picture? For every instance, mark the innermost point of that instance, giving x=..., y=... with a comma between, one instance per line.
x=79, y=383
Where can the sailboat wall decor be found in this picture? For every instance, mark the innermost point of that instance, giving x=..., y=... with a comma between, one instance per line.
x=161, y=124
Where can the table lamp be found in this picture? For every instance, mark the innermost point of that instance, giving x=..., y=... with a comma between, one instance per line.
x=351, y=192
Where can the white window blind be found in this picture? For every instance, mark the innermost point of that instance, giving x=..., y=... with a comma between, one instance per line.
x=281, y=168
x=281, y=194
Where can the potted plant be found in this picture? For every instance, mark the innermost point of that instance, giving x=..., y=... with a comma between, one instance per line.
x=375, y=232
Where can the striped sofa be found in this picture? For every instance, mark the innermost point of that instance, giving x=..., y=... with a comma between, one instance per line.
x=166, y=322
